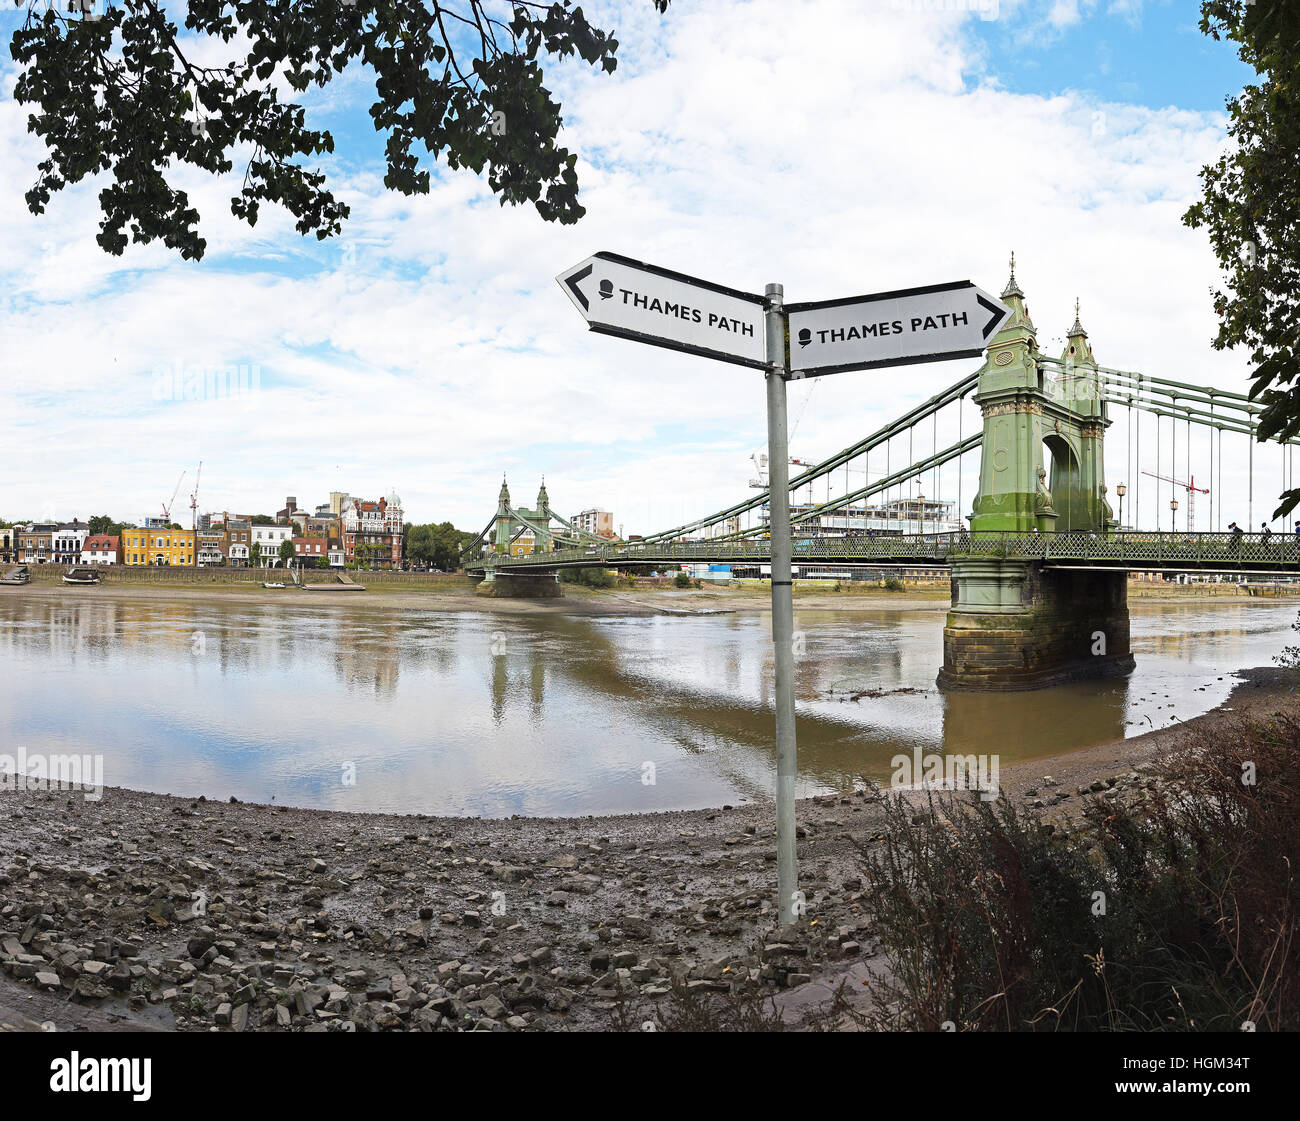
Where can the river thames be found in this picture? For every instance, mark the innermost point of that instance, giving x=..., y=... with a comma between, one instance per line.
x=369, y=708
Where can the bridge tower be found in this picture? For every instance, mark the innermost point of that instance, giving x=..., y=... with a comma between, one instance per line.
x=523, y=585
x=1042, y=467
x=1082, y=396
x=1015, y=622
x=504, y=522
x=544, y=542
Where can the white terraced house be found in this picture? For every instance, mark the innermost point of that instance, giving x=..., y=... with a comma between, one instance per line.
x=68, y=540
x=101, y=548
x=270, y=538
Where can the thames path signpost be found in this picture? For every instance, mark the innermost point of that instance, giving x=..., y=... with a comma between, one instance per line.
x=632, y=300
x=619, y=296
x=893, y=328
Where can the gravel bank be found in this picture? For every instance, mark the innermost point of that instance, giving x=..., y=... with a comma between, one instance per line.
x=145, y=911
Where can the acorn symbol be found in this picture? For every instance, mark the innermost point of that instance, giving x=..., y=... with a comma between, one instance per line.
x=805, y=336
x=606, y=289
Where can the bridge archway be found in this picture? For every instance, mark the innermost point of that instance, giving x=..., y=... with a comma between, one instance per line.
x=1064, y=481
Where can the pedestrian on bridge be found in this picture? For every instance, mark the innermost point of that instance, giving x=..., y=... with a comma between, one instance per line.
x=1264, y=533
x=1234, y=544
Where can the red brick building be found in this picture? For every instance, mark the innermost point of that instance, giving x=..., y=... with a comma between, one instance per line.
x=312, y=548
x=372, y=532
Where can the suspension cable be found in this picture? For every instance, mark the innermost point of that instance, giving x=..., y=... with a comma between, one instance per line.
x=1214, y=521
x=934, y=450
x=911, y=458
x=1173, y=468
x=1157, y=474
x=1220, y=474
x=1250, y=500
x=961, y=515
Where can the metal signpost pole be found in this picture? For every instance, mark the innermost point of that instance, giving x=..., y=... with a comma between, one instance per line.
x=787, y=767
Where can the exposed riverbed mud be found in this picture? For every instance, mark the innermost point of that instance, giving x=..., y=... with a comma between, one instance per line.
x=577, y=600
x=152, y=911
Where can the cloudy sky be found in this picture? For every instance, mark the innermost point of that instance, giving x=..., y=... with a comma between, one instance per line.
x=838, y=148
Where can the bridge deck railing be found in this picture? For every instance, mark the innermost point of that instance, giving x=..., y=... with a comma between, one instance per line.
x=1128, y=548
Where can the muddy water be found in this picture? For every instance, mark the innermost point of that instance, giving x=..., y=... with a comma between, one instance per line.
x=366, y=708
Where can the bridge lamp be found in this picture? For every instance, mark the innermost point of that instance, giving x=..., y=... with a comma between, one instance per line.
x=1121, y=490
x=1173, y=513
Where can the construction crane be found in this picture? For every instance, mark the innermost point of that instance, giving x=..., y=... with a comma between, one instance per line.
x=759, y=460
x=194, y=499
x=167, y=507
x=1192, y=491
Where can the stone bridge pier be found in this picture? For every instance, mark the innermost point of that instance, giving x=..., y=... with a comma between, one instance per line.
x=521, y=585
x=1015, y=624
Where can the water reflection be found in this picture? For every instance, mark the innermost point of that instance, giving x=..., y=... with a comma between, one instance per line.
x=446, y=712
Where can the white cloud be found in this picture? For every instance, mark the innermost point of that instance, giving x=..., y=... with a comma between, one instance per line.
x=833, y=147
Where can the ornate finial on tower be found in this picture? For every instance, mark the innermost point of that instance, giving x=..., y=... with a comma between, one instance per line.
x=1077, y=329
x=1012, y=288
x=1077, y=346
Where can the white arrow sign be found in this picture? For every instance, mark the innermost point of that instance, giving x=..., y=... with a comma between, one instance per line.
x=620, y=296
x=893, y=328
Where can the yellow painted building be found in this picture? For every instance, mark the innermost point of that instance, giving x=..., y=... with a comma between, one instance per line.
x=169, y=547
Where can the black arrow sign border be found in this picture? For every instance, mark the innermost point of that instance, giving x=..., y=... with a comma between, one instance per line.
x=872, y=297
x=999, y=317
x=681, y=277
x=571, y=282
x=911, y=360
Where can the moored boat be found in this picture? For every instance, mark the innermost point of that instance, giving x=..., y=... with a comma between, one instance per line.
x=81, y=576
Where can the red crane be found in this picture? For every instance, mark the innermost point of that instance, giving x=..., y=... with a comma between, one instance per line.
x=1192, y=491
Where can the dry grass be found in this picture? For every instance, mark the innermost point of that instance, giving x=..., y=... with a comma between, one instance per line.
x=992, y=919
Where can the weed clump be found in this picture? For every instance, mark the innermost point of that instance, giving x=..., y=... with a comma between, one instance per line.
x=1173, y=907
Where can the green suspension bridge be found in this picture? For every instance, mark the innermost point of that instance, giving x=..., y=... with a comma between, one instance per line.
x=1043, y=548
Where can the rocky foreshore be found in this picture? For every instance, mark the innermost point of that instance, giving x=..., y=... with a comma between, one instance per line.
x=193, y=914
x=153, y=911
